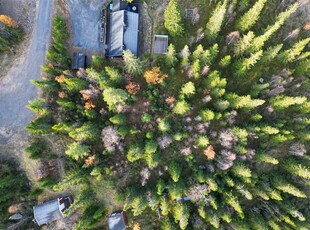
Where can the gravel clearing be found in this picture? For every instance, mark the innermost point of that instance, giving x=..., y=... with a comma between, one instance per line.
x=85, y=19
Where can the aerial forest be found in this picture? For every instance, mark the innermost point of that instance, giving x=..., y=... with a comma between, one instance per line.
x=214, y=134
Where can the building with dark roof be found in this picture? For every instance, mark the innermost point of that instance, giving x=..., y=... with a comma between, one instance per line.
x=51, y=210
x=117, y=221
x=122, y=29
x=79, y=61
x=119, y=5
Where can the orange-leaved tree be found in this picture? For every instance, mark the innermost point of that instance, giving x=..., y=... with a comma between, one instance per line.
x=154, y=76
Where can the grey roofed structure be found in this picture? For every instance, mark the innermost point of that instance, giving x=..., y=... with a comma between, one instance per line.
x=119, y=5
x=117, y=221
x=160, y=44
x=47, y=212
x=79, y=61
x=124, y=33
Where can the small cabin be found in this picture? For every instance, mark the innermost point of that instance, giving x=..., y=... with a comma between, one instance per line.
x=160, y=44
x=79, y=61
x=51, y=210
x=117, y=221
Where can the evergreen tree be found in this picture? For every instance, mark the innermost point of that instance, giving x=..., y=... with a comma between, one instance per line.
x=297, y=169
x=77, y=150
x=133, y=65
x=240, y=170
x=291, y=54
x=243, y=44
x=281, y=184
x=38, y=106
x=115, y=97
x=181, y=107
x=258, y=42
x=215, y=22
x=173, y=20
x=245, y=64
x=170, y=56
x=188, y=89
x=175, y=170
x=181, y=214
x=247, y=20
x=234, y=203
x=271, y=53
x=283, y=102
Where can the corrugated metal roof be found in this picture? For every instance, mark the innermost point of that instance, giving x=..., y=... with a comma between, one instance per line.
x=116, y=33
x=160, y=44
x=116, y=222
x=131, y=32
x=47, y=212
x=124, y=33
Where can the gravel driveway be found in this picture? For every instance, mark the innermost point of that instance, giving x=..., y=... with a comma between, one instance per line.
x=15, y=88
x=85, y=18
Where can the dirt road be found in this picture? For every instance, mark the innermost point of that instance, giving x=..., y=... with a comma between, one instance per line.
x=16, y=90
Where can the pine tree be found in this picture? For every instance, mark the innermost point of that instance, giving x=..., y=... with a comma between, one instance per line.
x=266, y=158
x=247, y=20
x=207, y=115
x=119, y=119
x=258, y=42
x=188, y=89
x=215, y=22
x=181, y=107
x=160, y=186
x=173, y=20
x=170, y=56
x=77, y=150
x=294, y=167
x=75, y=85
x=115, y=97
x=245, y=102
x=243, y=44
x=181, y=213
x=245, y=64
x=234, y=203
x=164, y=206
x=87, y=132
x=283, y=102
x=290, y=55
x=38, y=106
x=41, y=125
x=133, y=65
x=198, y=53
x=271, y=53
x=175, y=170
x=281, y=184
x=240, y=170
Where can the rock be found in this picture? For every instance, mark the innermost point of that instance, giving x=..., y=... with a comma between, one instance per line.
x=16, y=216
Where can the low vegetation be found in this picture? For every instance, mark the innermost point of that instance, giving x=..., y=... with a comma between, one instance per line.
x=10, y=33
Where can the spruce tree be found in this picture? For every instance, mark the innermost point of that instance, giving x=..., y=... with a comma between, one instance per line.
x=133, y=65
x=173, y=20
x=247, y=20
x=216, y=21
